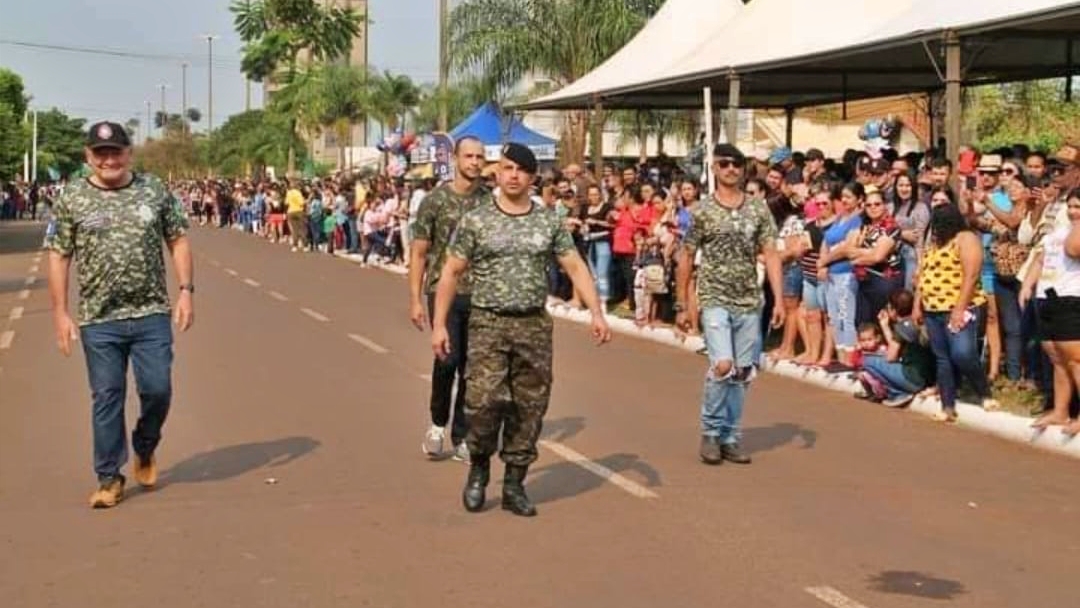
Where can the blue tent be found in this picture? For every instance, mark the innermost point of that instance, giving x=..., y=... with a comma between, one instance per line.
x=494, y=129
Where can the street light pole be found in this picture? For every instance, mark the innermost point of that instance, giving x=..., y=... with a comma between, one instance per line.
x=183, y=95
x=210, y=82
x=164, y=115
x=33, y=152
x=149, y=125
x=444, y=67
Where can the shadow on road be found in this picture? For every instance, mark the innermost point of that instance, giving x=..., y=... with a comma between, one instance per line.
x=916, y=584
x=232, y=461
x=19, y=284
x=562, y=429
x=566, y=479
x=21, y=237
x=768, y=438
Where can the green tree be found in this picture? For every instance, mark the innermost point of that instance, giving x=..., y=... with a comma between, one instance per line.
x=276, y=32
x=61, y=139
x=1032, y=112
x=14, y=134
x=343, y=96
x=393, y=98
x=506, y=40
x=461, y=99
x=256, y=138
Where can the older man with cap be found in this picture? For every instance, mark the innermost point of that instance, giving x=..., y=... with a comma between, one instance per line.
x=731, y=231
x=507, y=247
x=115, y=223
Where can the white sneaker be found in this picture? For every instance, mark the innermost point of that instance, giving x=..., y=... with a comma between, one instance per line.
x=433, y=441
x=461, y=453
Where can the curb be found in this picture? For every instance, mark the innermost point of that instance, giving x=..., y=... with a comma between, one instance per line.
x=356, y=258
x=1001, y=424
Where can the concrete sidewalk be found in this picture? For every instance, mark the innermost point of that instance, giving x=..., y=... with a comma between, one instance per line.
x=1002, y=424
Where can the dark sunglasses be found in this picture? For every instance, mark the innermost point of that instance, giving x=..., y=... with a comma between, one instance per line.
x=726, y=163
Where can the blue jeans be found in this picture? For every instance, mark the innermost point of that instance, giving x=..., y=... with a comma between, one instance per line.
x=352, y=240
x=910, y=257
x=957, y=356
x=600, y=264
x=108, y=346
x=1007, y=295
x=730, y=337
x=315, y=226
x=891, y=374
x=841, y=293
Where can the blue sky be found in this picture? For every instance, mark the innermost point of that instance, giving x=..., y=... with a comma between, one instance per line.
x=403, y=39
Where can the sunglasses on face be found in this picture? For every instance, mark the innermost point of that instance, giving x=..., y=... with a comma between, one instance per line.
x=726, y=163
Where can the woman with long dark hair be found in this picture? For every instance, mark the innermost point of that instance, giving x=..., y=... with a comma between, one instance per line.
x=912, y=215
x=950, y=300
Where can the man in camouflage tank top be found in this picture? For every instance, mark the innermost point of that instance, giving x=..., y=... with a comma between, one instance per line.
x=437, y=217
x=506, y=247
x=114, y=225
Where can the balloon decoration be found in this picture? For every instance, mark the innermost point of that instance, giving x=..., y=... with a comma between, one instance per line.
x=880, y=133
x=397, y=145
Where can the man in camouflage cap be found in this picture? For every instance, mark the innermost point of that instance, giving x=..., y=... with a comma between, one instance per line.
x=731, y=231
x=115, y=223
x=439, y=214
x=506, y=246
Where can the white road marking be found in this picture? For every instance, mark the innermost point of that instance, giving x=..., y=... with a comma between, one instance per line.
x=425, y=377
x=16, y=313
x=30, y=280
x=318, y=316
x=215, y=262
x=279, y=297
x=833, y=597
x=372, y=346
x=24, y=294
x=6, y=338
x=34, y=269
x=252, y=282
x=230, y=271
x=599, y=470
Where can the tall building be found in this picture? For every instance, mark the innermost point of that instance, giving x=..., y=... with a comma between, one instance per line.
x=326, y=148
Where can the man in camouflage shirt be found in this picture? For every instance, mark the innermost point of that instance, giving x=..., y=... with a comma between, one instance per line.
x=436, y=219
x=114, y=224
x=731, y=231
x=506, y=246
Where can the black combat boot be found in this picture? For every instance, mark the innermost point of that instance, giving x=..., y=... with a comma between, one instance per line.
x=513, y=497
x=479, y=474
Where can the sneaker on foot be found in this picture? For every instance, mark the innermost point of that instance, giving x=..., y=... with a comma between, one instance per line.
x=108, y=494
x=899, y=401
x=146, y=471
x=433, y=441
x=461, y=453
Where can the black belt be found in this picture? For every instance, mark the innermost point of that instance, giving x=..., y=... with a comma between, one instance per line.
x=525, y=312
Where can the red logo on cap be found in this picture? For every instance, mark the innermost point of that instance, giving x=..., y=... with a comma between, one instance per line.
x=104, y=132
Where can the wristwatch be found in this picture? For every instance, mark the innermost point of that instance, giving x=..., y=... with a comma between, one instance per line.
x=188, y=287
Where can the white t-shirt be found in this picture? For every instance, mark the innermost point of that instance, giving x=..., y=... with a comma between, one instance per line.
x=414, y=204
x=1059, y=271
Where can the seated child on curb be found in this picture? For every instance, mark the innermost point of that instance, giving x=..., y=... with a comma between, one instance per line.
x=906, y=366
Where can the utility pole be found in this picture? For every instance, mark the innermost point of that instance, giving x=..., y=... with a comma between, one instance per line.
x=444, y=65
x=33, y=151
x=247, y=94
x=149, y=125
x=183, y=95
x=210, y=82
x=164, y=115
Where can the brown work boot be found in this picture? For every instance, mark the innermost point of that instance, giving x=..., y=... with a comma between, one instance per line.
x=108, y=494
x=710, y=451
x=146, y=471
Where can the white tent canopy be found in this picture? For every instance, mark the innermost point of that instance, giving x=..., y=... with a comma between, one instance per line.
x=677, y=28
x=791, y=54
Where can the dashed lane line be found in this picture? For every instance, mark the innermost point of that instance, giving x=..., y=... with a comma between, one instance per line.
x=24, y=294
x=30, y=280
x=34, y=269
x=251, y=282
x=599, y=470
x=16, y=313
x=6, y=338
x=370, y=345
x=278, y=296
x=833, y=598
x=425, y=377
x=231, y=272
x=215, y=263
x=318, y=316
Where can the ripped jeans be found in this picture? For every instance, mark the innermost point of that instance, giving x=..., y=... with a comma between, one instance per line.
x=731, y=340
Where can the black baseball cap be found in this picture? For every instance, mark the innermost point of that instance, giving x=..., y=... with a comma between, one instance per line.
x=107, y=135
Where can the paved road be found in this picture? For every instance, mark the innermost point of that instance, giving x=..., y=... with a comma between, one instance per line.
x=304, y=369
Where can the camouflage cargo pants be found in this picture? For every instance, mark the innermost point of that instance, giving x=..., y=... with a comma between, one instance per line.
x=508, y=383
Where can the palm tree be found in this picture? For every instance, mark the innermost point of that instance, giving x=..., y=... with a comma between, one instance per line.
x=506, y=40
x=639, y=125
x=394, y=97
x=344, y=98
x=461, y=99
x=193, y=115
x=277, y=32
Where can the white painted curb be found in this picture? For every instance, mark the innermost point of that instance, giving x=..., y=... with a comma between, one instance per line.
x=1002, y=424
x=359, y=259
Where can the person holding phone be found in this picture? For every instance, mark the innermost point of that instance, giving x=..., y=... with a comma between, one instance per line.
x=951, y=302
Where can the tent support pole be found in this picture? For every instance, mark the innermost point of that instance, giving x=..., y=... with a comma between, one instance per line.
x=953, y=108
x=1069, y=69
x=789, y=125
x=930, y=118
x=843, y=93
x=597, y=137
x=733, y=108
x=710, y=182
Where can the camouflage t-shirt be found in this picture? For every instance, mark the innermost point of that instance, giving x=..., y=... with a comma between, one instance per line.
x=436, y=219
x=508, y=255
x=729, y=241
x=116, y=238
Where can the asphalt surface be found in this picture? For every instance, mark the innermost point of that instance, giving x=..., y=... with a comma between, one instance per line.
x=292, y=473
